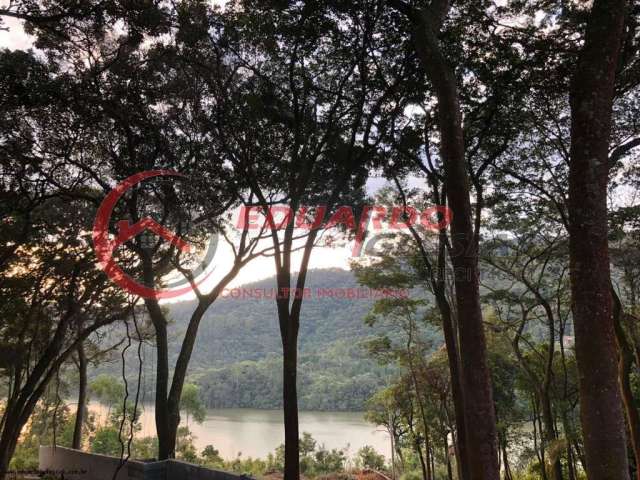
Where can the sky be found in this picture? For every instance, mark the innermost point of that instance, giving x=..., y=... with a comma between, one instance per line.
x=12, y=36
x=322, y=257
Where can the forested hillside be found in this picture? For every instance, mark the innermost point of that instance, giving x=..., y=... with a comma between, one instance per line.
x=236, y=329
x=237, y=357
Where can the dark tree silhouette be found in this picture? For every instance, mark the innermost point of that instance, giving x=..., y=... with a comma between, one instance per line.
x=592, y=93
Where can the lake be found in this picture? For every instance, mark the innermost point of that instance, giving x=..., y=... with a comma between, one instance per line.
x=256, y=433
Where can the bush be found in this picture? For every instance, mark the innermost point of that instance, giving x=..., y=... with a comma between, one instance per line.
x=107, y=442
x=328, y=461
x=412, y=475
x=367, y=457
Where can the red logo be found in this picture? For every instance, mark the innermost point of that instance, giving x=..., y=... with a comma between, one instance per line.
x=105, y=248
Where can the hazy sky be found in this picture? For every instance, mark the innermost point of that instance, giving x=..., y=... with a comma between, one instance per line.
x=337, y=256
x=14, y=37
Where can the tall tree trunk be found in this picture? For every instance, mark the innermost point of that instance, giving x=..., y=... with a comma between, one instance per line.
x=480, y=420
x=82, y=399
x=22, y=406
x=625, y=362
x=182, y=364
x=433, y=461
x=393, y=449
x=169, y=388
x=591, y=117
x=550, y=432
x=456, y=386
x=438, y=285
x=427, y=471
x=447, y=458
x=424, y=465
x=166, y=440
x=429, y=456
x=8, y=442
x=505, y=457
x=290, y=407
x=539, y=449
x=24, y=401
x=571, y=464
x=579, y=455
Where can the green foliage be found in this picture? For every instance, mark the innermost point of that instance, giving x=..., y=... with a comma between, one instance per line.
x=328, y=461
x=315, y=459
x=144, y=448
x=236, y=360
x=247, y=466
x=107, y=389
x=367, y=457
x=185, y=449
x=107, y=441
x=211, y=457
x=50, y=421
x=307, y=444
x=298, y=79
x=411, y=475
x=127, y=417
x=191, y=404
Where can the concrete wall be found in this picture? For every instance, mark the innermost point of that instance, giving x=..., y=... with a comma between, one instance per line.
x=181, y=470
x=78, y=465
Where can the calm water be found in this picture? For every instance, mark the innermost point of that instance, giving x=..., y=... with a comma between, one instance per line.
x=256, y=433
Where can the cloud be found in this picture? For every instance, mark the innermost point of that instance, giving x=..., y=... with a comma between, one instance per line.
x=14, y=37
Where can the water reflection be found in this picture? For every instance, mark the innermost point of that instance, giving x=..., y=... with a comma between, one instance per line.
x=256, y=433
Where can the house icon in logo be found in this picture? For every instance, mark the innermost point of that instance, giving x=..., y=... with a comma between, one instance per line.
x=126, y=232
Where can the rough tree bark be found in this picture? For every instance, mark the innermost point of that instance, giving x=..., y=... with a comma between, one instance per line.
x=82, y=399
x=166, y=442
x=480, y=420
x=289, y=327
x=625, y=363
x=592, y=93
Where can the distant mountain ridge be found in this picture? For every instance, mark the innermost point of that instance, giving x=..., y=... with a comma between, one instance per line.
x=236, y=360
x=236, y=329
x=237, y=356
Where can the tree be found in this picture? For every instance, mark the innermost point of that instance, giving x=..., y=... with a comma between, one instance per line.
x=108, y=439
x=53, y=296
x=108, y=390
x=624, y=250
x=537, y=170
x=367, y=457
x=82, y=398
x=145, y=137
x=532, y=267
x=191, y=404
x=319, y=108
x=592, y=93
x=212, y=456
x=286, y=110
x=52, y=302
x=409, y=346
x=480, y=423
x=384, y=409
x=89, y=353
